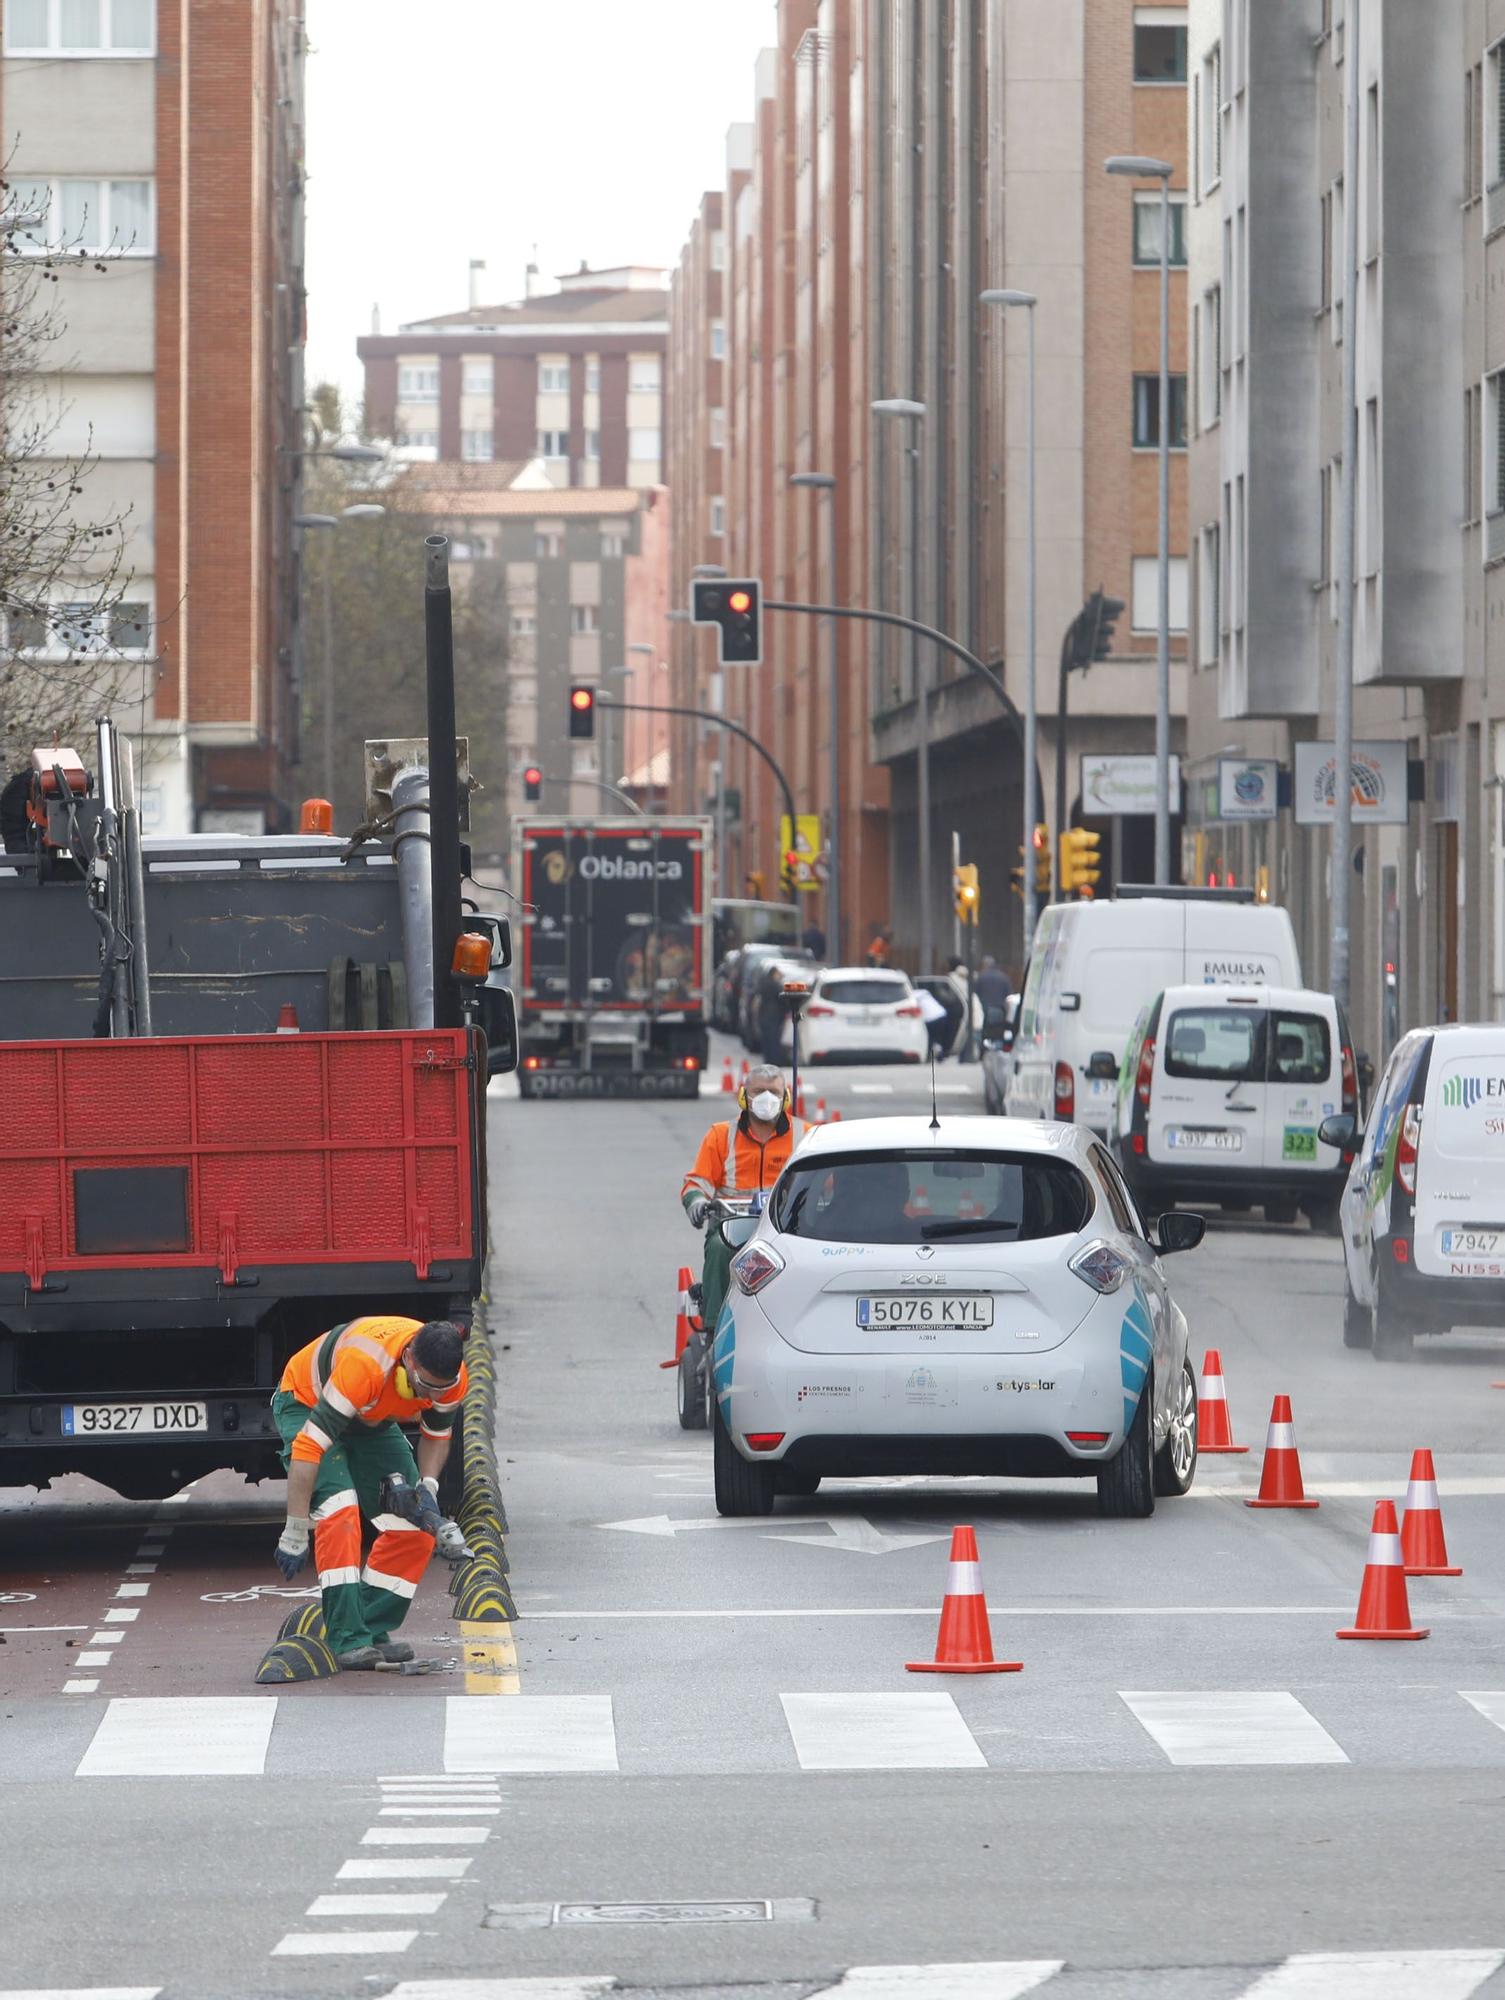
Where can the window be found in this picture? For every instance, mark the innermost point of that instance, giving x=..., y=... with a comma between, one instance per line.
x=1372, y=173
x=130, y=627
x=476, y=375
x=553, y=444
x=1473, y=133
x=1209, y=585
x=718, y=339
x=476, y=445
x=1473, y=413
x=93, y=216
x=79, y=27
x=718, y=429
x=417, y=381
x=643, y=444
x=643, y=375
x=1210, y=360
x=522, y=624
x=977, y=1197
x=585, y=618
x=1113, y=1189
x=592, y=374
x=86, y=629
x=1144, y=612
x=1324, y=523
x=1334, y=487
x=1222, y=1043
x=1160, y=45
x=1373, y=523
x=417, y=435
x=548, y=544
x=614, y=542
x=1494, y=444
x=1325, y=274
x=1210, y=105
x=1337, y=290
x=1494, y=118
x=593, y=444
x=553, y=378
x=718, y=515
x=1147, y=411
x=718, y=249
x=1147, y=229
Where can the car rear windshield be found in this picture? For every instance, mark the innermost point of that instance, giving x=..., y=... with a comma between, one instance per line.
x=863, y=992
x=929, y=1197
x=1248, y=1045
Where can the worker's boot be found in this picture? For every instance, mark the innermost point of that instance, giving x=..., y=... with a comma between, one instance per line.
x=394, y=1651
x=360, y=1660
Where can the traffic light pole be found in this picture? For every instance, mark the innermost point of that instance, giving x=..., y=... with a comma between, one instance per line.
x=600, y=785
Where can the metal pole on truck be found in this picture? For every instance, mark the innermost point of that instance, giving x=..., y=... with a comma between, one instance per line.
x=444, y=784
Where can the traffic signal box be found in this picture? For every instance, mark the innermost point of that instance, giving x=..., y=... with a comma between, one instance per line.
x=1080, y=861
x=532, y=784
x=1040, y=848
x=735, y=608
x=964, y=888
x=582, y=710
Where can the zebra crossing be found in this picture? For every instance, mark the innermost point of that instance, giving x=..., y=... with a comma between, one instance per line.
x=595, y=1735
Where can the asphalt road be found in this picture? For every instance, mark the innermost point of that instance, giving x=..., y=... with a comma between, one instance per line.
x=1083, y=1817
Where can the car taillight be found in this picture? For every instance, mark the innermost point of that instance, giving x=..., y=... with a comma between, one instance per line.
x=1350, y=1084
x=815, y=1011
x=1145, y=1075
x=1101, y=1266
x=1406, y=1148
x=755, y=1266
x=1400, y=1249
x=908, y=1013
x=1065, y=1092
x=764, y=1440
x=532, y=1062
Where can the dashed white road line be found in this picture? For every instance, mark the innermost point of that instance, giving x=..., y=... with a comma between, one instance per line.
x=425, y=1836
x=1377, y=1975
x=377, y=1903
x=328, y=1944
x=1006, y=1979
x=181, y=1736
x=1226, y=1726
x=426, y=1868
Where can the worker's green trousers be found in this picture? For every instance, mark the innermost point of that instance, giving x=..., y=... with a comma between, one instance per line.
x=362, y=1606
x=715, y=1277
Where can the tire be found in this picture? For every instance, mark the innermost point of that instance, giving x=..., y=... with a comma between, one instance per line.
x=1126, y=1484
x=801, y=1485
x=690, y=1379
x=1326, y=1217
x=1358, y=1330
x=1235, y=1207
x=741, y=1489
x=1176, y=1460
x=1280, y=1211
x=1392, y=1334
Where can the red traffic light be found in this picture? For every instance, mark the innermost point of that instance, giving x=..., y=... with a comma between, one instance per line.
x=740, y=600
x=532, y=776
x=581, y=698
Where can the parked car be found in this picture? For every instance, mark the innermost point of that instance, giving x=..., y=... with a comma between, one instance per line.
x=1220, y=1097
x=980, y=1297
x=753, y=958
x=857, y=1014
x=1093, y=966
x=1423, y=1211
x=723, y=988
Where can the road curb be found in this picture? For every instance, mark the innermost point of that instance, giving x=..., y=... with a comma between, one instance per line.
x=480, y=1590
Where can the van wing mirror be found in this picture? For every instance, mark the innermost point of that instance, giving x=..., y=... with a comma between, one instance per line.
x=1102, y=1065
x=499, y=930
x=1340, y=1130
x=1179, y=1229
x=497, y=1006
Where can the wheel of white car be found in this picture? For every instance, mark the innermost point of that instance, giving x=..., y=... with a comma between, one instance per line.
x=1357, y=1328
x=1176, y=1460
x=741, y=1488
x=691, y=1386
x=1126, y=1484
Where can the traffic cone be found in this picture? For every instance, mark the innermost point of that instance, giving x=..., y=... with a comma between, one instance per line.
x=919, y=1202
x=836, y=1120
x=1383, y=1612
x=1280, y=1480
x=820, y=1111
x=746, y=1069
x=684, y=1321
x=727, y=1086
x=287, y=1019
x=799, y=1102
x=1214, y=1425
x=1423, y=1546
x=964, y=1644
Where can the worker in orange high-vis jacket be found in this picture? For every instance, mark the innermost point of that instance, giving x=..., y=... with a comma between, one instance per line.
x=339, y=1406
x=738, y=1156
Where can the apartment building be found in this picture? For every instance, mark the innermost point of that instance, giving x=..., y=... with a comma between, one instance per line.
x=1272, y=307
x=180, y=370
x=573, y=377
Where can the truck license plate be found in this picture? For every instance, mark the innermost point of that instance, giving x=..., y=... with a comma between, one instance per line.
x=132, y=1419
x=964, y=1314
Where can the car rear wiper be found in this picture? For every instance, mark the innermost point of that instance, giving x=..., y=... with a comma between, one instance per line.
x=970, y=1227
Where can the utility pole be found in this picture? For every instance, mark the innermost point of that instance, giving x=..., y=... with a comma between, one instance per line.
x=1339, y=866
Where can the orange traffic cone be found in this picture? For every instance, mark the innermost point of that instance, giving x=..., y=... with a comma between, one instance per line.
x=1214, y=1425
x=964, y=1644
x=820, y=1111
x=1280, y=1480
x=685, y=1322
x=1423, y=1545
x=799, y=1102
x=746, y=1069
x=836, y=1120
x=727, y=1086
x=1383, y=1612
x=287, y=1019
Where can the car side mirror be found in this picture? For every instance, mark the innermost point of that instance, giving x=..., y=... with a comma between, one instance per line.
x=497, y=1006
x=1364, y=1064
x=1102, y=1065
x=499, y=930
x=738, y=1230
x=1179, y=1230
x=1340, y=1130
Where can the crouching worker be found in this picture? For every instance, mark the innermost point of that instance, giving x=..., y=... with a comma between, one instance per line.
x=338, y=1409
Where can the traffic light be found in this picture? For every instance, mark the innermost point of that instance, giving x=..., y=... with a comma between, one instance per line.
x=532, y=784
x=1092, y=629
x=582, y=710
x=1040, y=848
x=965, y=890
x=1079, y=860
x=735, y=609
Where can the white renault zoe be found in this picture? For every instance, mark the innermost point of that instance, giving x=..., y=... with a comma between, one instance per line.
x=972, y=1295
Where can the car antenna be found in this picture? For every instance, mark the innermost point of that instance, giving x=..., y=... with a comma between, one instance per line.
x=935, y=1116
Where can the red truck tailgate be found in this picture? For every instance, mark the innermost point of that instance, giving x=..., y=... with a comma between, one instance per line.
x=222, y=1151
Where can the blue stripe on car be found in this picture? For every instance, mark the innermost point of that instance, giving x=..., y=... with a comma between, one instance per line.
x=723, y=1352
x=1136, y=1343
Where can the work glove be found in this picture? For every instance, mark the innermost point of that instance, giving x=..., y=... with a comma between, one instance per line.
x=292, y=1550
x=697, y=1212
x=450, y=1543
x=426, y=1513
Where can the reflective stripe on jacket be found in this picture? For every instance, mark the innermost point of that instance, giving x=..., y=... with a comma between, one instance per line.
x=347, y=1376
x=732, y=1161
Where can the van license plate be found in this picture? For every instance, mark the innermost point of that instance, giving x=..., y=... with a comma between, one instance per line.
x=133, y=1419
x=963, y=1314
x=1472, y=1242
x=1193, y=1139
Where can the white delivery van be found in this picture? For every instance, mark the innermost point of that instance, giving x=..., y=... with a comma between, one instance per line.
x=1094, y=966
x=1221, y=1095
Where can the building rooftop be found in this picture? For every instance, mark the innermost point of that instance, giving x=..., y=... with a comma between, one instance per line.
x=636, y=293
x=469, y=501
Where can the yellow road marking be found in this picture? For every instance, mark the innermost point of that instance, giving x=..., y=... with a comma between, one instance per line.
x=489, y=1653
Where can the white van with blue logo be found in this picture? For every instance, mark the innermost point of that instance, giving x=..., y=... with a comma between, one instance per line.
x=1424, y=1208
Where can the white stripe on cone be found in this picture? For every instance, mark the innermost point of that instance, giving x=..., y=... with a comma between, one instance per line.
x=1282, y=1437
x=1384, y=1552
x=1212, y=1389
x=965, y=1580
x=1421, y=1496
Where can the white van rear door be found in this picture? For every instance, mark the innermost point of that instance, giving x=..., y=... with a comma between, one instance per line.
x=1303, y=1085
x=1118, y=982
x=1208, y=1096
x=1460, y=1168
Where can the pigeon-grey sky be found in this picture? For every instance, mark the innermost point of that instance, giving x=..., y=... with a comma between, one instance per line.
x=477, y=128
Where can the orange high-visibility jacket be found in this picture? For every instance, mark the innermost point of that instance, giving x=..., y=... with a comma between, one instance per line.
x=346, y=1376
x=732, y=1161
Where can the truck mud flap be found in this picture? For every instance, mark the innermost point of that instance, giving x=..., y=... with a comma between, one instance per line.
x=609, y=1083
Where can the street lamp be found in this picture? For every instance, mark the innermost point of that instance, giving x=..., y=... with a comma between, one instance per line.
x=825, y=482
x=347, y=454
x=708, y=569
x=905, y=407
x=1135, y=166
x=361, y=511
x=1028, y=301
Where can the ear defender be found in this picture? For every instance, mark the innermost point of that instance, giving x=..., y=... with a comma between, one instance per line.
x=742, y=1096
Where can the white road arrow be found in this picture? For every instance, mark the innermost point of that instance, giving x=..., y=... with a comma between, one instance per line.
x=848, y=1531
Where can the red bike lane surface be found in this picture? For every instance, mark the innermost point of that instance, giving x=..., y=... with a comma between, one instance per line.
x=101, y=1596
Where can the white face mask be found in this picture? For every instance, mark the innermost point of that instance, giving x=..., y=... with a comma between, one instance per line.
x=766, y=1105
